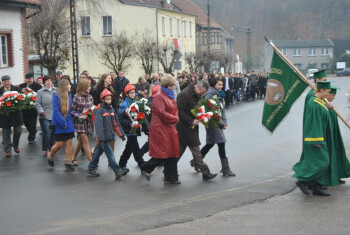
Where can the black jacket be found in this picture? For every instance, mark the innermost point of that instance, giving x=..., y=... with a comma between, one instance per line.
x=230, y=83
x=238, y=83
x=15, y=118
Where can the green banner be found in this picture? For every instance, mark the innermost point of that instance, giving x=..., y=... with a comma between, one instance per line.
x=284, y=86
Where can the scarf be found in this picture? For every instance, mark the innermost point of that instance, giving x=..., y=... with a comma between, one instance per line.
x=168, y=92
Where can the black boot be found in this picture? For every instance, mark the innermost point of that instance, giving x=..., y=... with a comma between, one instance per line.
x=302, y=187
x=68, y=165
x=195, y=166
x=209, y=176
x=319, y=192
x=92, y=172
x=120, y=173
x=226, y=171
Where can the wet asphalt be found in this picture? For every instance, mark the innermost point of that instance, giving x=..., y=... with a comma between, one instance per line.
x=38, y=199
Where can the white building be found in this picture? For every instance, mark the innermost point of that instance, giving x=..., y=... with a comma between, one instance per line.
x=13, y=38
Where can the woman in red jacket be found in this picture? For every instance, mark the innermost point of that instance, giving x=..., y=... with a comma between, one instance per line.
x=163, y=138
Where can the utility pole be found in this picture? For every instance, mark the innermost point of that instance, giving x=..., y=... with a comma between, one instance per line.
x=209, y=36
x=73, y=28
x=248, y=31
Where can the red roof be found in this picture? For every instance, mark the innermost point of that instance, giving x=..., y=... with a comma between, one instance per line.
x=189, y=7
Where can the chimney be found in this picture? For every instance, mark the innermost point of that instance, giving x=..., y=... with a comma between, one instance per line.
x=162, y=3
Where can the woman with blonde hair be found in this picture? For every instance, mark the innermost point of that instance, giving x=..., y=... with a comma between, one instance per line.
x=62, y=123
x=82, y=102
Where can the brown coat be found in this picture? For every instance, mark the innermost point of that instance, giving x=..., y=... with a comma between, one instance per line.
x=186, y=101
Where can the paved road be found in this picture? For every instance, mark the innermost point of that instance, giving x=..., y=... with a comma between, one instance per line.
x=35, y=199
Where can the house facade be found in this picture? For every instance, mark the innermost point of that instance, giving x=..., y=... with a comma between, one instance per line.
x=110, y=17
x=221, y=42
x=13, y=38
x=304, y=54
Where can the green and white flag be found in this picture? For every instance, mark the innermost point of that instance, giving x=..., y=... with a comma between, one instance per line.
x=284, y=87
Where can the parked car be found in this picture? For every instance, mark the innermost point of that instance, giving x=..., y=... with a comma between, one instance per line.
x=310, y=73
x=344, y=72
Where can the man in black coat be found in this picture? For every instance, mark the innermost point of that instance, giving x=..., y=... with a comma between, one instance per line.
x=238, y=87
x=228, y=89
x=30, y=116
x=187, y=127
x=14, y=120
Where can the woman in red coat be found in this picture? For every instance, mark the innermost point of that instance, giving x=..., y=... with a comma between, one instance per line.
x=163, y=138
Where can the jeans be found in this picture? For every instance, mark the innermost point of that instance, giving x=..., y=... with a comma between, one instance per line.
x=104, y=147
x=48, y=140
x=6, y=131
x=238, y=95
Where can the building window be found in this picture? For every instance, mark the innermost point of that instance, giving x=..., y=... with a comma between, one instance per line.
x=171, y=26
x=312, y=51
x=219, y=37
x=190, y=28
x=204, y=37
x=185, y=28
x=325, y=51
x=178, y=27
x=4, y=59
x=163, y=26
x=284, y=51
x=107, y=25
x=324, y=66
x=85, y=26
x=297, y=52
x=298, y=66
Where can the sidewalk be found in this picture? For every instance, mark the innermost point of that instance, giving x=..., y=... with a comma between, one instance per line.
x=293, y=213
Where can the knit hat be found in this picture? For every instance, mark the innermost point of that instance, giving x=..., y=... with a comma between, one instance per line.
x=128, y=88
x=105, y=93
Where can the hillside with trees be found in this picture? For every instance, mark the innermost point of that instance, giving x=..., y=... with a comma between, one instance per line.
x=280, y=19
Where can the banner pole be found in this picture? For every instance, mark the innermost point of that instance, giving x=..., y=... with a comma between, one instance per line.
x=302, y=76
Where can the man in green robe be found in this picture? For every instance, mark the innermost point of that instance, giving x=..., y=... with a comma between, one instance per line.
x=312, y=168
x=336, y=145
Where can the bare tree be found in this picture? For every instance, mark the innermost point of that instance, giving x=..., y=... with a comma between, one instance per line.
x=146, y=51
x=194, y=62
x=50, y=31
x=116, y=52
x=166, y=55
x=326, y=14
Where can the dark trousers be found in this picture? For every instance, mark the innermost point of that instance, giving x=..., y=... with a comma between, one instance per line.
x=170, y=167
x=131, y=147
x=262, y=91
x=227, y=98
x=30, y=123
x=6, y=137
x=252, y=92
x=207, y=147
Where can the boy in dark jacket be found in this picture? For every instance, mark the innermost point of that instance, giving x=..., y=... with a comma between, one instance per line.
x=106, y=124
x=132, y=145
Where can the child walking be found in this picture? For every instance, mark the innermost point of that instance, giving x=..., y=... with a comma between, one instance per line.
x=132, y=145
x=106, y=124
x=63, y=124
x=82, y=102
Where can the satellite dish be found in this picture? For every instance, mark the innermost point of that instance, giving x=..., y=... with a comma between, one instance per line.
x=168, y=1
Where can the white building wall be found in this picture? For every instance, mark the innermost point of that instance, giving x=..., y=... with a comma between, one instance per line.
x=10, y=19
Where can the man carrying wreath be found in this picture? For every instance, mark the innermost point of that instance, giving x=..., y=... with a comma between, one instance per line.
x=187, y=127
x=13, y=119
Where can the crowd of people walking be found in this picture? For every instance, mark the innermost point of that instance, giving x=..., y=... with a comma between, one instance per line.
x=102, y=108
